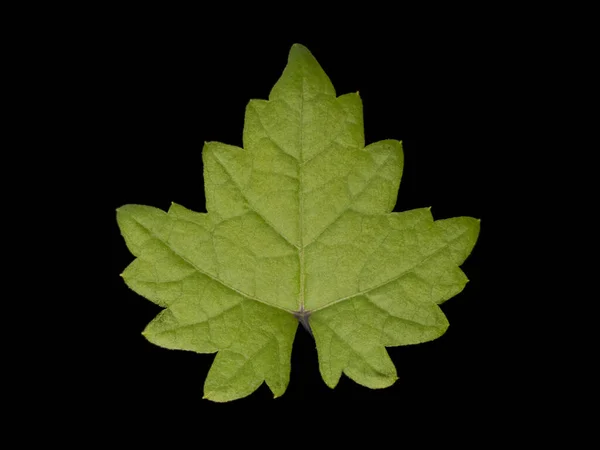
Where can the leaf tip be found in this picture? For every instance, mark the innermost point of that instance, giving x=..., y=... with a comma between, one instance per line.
x=210, y=397
x=299, y=51
x=298, y=48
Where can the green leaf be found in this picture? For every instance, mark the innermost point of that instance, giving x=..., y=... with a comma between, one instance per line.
x=299, y=229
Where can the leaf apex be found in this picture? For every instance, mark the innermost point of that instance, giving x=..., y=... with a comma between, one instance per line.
x=299, y=51
x=331, y=384
x=209, y=396
x=298, y=47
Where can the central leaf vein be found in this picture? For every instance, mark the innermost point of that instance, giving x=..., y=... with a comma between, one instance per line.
x=301, y=199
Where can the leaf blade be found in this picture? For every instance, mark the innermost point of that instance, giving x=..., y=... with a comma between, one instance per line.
x=299, y=226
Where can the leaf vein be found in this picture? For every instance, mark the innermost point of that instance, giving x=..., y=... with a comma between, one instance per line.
x=397, y=277
x=250, y=205
x=211, y=276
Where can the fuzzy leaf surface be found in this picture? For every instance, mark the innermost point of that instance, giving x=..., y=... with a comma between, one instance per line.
x=299, y=228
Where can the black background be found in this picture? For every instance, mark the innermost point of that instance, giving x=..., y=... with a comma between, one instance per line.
x=166, y=89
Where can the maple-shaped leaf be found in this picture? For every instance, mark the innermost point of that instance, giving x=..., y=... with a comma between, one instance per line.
x=299, y=229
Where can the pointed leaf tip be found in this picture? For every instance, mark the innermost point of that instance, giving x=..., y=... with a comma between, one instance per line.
x=212, y=398
x=299, y=48
x=300, y=53
x=303, y=79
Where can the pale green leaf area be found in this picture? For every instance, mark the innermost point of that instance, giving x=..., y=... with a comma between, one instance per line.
x=299, y=229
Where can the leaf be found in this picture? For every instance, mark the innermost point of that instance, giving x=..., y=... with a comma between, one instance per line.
x=299, y=229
